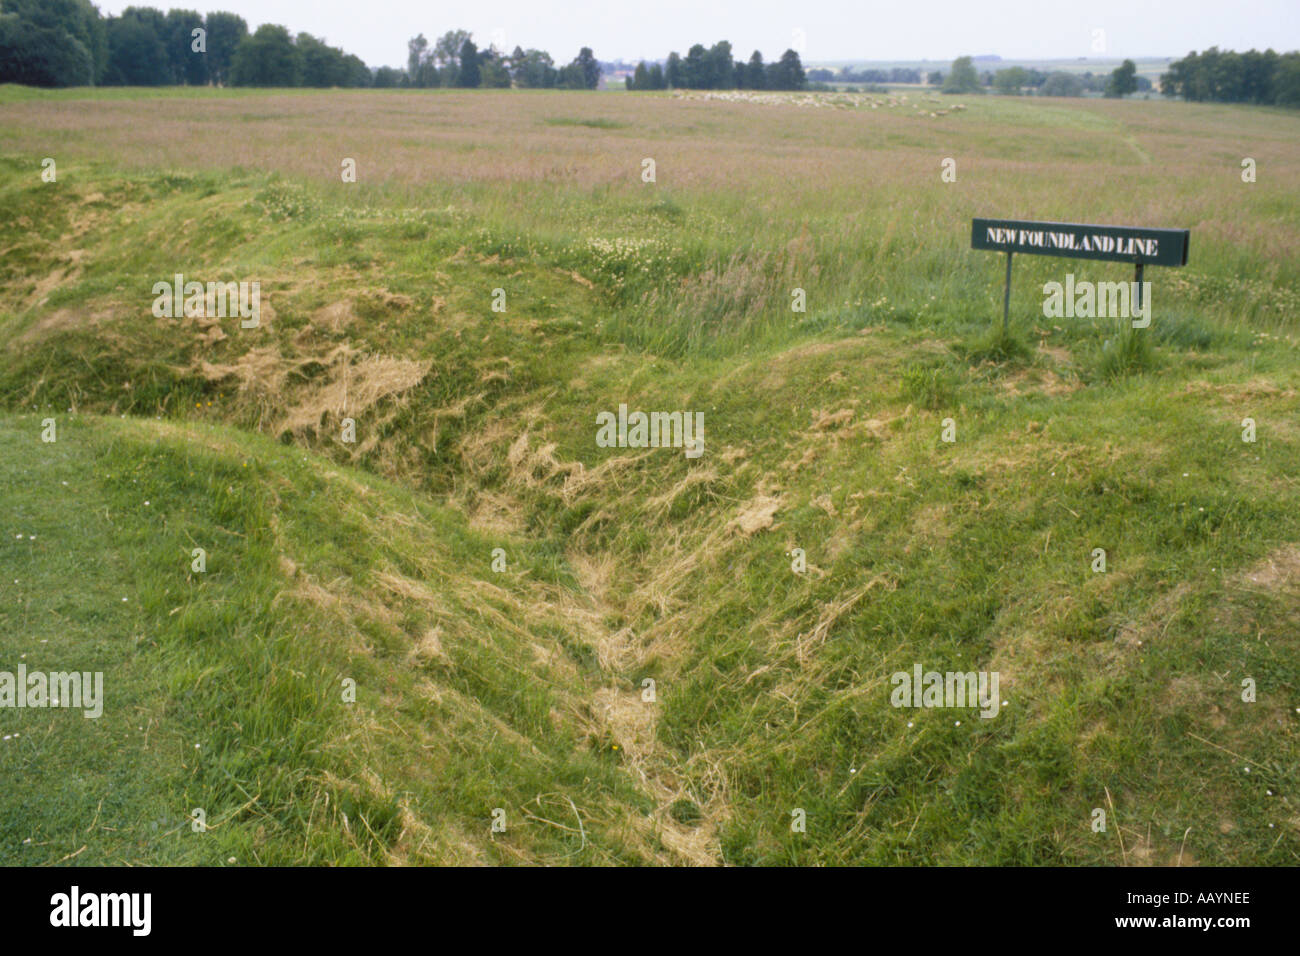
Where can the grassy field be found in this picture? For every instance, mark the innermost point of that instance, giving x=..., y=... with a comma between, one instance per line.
x=480, y=689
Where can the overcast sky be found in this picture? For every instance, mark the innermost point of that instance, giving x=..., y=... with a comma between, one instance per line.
x=377, y=30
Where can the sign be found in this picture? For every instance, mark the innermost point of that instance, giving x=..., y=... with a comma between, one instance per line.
x=1153, y=247
x=1073, y=240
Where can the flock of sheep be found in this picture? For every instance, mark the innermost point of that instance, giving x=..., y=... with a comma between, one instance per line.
x=819, y=100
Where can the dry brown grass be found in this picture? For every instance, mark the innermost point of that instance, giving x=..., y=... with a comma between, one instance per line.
x=351, y=384
x=431, y=138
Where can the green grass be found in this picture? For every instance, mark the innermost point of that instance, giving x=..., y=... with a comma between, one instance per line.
x=225, y=688
x=88, y=784
x=14, y=93
x=522, y=689
x=590, y=123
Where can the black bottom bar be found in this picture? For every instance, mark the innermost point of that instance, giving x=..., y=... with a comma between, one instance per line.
x=333, y=907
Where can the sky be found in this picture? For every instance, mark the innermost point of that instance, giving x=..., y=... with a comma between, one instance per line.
x=828, y=30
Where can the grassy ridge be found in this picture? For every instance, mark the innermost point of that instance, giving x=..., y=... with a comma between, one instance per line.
x=522, y=690
x=313, y=576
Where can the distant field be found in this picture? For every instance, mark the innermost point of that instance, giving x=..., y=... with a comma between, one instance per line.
x=522, y=689
x=1150, y=67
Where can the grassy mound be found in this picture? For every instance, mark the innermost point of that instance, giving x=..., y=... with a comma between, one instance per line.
x=528, y=689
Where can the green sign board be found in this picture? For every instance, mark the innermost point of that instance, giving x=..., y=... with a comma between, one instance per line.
x=1152, y=247
x=1073, y=240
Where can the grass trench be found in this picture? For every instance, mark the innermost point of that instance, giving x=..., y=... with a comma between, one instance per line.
x=474, y=612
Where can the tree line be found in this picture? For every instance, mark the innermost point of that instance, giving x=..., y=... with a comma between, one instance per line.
x=1017, y=80
x=964, y=77
x=714, y=69
x=898, y=74
x=455, y=60
x=68, y=43
x=1224, y=76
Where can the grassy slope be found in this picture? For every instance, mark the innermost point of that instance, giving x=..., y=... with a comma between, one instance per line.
x=520, y=690
x=225, y=688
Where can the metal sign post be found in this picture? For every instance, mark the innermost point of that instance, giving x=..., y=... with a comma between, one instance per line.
x=1006, y=293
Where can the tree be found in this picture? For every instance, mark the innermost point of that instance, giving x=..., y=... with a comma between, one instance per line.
x=1286, y=80
x=421, y=62
x=415, y=53
x=720, y=72
x=588, y=67
x=640, y=78
x=694, y=68
x=1258, y=70
x=225, y=32
x=154, y=19
x=935, y=78
x=657, y=81
x=266, y=58
x=468, y=74
x=493, y=73
x=1123, y=80
x=320, y=65
x=962, y=77
x=755, y=73
x=137, y=55
x=42, y=56
x=66, y=41
x=1009, y=81
x=48, y=21
x=446, y=52
x=570, y=77
x=426, y=74
x=387, y=78
x=188, y=66
x=673, y=72
x=514, y=63
x=535, y=70
x=786, y=73
x=356, y=73
x=1061, y=83
x=1229, y=77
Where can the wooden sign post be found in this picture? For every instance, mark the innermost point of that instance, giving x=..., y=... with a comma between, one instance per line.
x=1156, y=247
